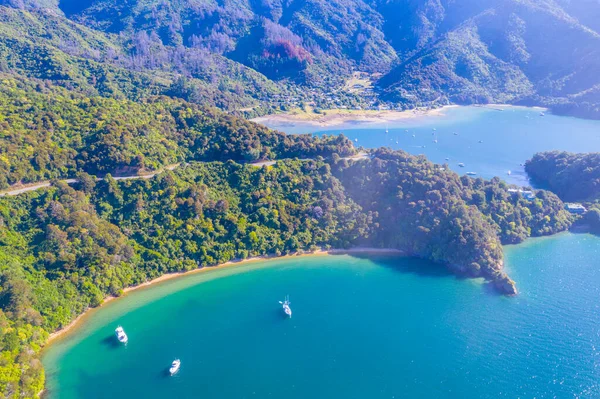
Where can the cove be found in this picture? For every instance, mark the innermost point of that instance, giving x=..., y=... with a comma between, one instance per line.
x=377, y=327
x=366, y=327
x=509, y=138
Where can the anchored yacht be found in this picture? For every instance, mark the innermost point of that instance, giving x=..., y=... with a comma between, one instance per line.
x=121, y=336
x=175, y=366
x=286, y=306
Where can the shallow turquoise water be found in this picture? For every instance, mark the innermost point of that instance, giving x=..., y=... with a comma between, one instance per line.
x=362, y=328
x=510, y=137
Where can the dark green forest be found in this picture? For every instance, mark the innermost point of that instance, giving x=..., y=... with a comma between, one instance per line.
x=574, y=177
x=50, y=132
x=431, y=212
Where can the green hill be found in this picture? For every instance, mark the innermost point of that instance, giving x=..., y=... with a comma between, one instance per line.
x=256, y=57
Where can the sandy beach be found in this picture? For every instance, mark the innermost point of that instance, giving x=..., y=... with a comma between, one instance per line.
x=336, y=117
x=81, y=318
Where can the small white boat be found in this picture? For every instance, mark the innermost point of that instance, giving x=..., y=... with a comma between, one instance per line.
x=462, y=165
x=509, y=173
x=471, y=173
x=286, y=306
x=121, y=336
x=480, y=141
x=396, y=141
x=542, y=114
x=447, y=159
x=175, y=366
x=456, y=134
x=435, y=141
x=414, y=135
x=355, y=139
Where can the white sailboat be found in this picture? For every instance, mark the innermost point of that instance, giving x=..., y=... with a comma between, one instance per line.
x=121, y=336
x=286, y=306
x=175, y=366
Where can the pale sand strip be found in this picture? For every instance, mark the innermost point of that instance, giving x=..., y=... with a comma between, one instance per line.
x=338, y=117
x=79, y=319
x=335, y=117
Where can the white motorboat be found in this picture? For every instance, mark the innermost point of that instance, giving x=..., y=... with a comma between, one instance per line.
x=286, y=306
x=175, y=366
x=121, y=336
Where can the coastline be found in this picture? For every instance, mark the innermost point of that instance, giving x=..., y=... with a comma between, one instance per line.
x=72, y=326
x=336, y=117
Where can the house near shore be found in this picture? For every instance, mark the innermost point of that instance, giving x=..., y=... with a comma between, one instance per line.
x=577, y=209
x=527, y=194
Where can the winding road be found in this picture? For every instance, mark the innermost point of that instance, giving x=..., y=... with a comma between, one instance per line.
x=20, y=189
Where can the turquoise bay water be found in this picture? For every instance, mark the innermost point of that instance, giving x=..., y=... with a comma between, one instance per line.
x=379, y=327
x=367, y=327
x=510, y=137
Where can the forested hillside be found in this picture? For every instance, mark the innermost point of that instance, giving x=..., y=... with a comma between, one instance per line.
x=574, y=177
x=257, y=57
x=50, y=132
x=432, y=213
